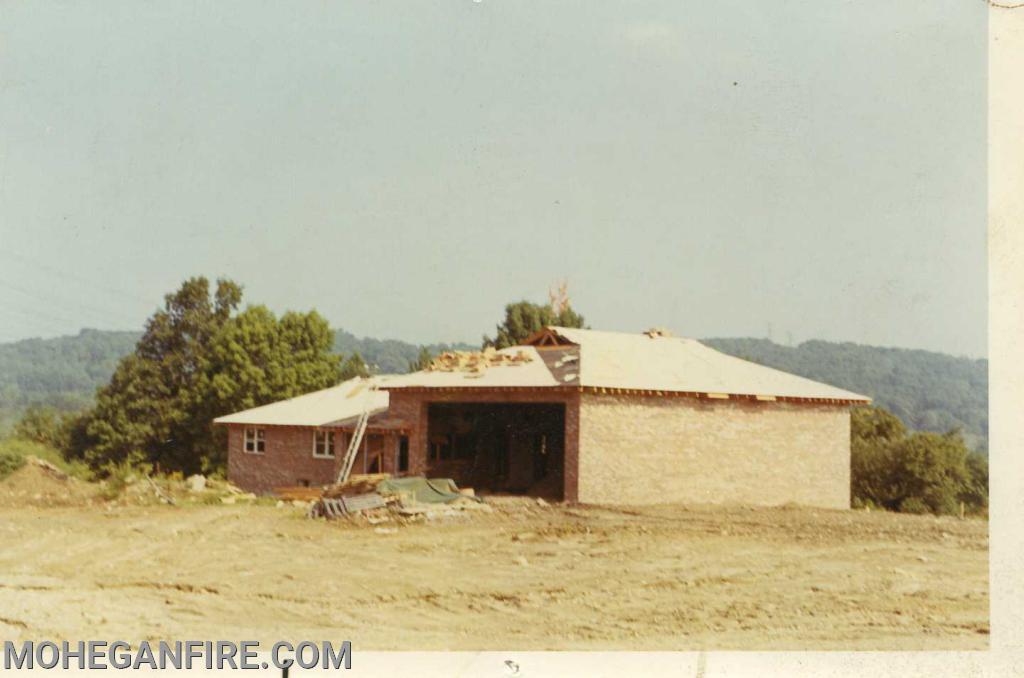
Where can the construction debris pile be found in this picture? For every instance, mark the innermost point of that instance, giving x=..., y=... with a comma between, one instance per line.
x=41, y=483
x=142, y=489
x=476, y=362
x=379, y=496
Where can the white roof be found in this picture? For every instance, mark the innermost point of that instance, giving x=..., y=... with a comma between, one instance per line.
x=634, y=361
x=666, y=363
x=319, y=408
x=530, y=373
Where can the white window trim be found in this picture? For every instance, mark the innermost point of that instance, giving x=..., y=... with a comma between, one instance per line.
x=329, y=435
x=256, y=440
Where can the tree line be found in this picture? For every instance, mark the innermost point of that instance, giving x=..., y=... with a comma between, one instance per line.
x=913, y=472
x=928, y=391
x=198, y=358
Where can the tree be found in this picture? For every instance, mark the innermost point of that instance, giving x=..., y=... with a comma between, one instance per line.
x=873, y=431
x=423, y=360
x=147, y=410
x=976, y=492
x=525, y=318
x=920, y=472
x=354, y=367
x=42, y=425
x=931, y=467
x=195, y=361
x=257, y=359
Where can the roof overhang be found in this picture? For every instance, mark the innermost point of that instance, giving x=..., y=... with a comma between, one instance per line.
x=702, y=395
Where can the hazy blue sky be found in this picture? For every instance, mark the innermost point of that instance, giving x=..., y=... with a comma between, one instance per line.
x=406, y=168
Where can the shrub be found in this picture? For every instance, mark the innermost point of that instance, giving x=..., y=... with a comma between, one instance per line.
x=873, y=432
x=10, y=462
x=42, y=425
x=116, y=477
x=914, y=505
x=18, y=449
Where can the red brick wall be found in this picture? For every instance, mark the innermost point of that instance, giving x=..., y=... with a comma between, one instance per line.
x=288, y=458
x=411, y=408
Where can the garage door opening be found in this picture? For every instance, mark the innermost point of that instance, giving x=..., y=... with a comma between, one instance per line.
x=498, y=447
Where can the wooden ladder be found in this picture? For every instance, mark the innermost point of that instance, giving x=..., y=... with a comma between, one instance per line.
x=357, y=436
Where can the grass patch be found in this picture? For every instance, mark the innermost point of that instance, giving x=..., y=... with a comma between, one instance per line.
x=13, y=452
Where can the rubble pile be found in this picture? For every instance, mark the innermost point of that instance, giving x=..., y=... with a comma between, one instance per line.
x=380, y=498
x=476, y=361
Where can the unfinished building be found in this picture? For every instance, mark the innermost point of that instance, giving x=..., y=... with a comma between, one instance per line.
x=579, y=415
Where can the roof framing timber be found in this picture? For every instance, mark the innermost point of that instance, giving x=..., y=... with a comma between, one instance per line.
x=600, y=390
x=546, y=338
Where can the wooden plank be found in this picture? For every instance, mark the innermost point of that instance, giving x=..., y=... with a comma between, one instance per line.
x=362, y=502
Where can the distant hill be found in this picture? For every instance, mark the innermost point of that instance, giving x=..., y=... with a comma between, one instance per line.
x=62, y=372
x=928, y=391
x=66, y=371
x=387, y=356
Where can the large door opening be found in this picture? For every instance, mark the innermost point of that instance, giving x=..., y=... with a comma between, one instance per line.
x=498, y=447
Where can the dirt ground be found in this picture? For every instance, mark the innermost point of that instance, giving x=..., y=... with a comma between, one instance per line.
x=525, y=577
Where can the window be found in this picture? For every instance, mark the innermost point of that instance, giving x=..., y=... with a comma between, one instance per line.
x=255, y=440
x=440, y=448
x=323, y=444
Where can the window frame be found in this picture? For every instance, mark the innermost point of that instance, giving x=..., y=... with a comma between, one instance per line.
x=328, y=441
x=258, y=440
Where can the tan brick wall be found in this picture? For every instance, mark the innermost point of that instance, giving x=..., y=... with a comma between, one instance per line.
x=643, y=450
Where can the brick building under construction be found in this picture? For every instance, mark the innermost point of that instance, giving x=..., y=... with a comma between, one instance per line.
x=579, y=415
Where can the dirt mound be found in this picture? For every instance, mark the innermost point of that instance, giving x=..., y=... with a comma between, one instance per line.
x=40, y=483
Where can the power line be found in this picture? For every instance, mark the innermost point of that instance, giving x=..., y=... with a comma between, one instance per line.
x=40, y=323
x=107, y=316
x=34, y=311
x=26, y=261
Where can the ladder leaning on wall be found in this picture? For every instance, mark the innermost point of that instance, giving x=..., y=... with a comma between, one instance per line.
x=357, y=436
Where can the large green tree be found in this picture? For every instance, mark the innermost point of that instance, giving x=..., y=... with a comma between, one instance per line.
x=197, y=359
x=524, y=318
x=256, y=359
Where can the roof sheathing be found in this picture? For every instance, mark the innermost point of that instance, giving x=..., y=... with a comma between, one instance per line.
x=319, y=408
x=614, y=362
x=531, y=374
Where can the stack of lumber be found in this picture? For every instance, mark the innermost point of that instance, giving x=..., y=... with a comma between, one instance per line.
x=476, y=361
x=355, y=485
x=343, y=506
x=298, y=493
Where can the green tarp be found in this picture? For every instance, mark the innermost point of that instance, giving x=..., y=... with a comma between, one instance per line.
x=423, y=490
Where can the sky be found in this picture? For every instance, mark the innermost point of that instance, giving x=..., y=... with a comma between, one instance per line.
x=795, y=170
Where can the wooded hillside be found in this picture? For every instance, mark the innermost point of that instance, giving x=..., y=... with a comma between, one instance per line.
x=928, y=391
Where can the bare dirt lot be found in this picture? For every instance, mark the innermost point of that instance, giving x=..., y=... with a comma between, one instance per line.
x=523, y=577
